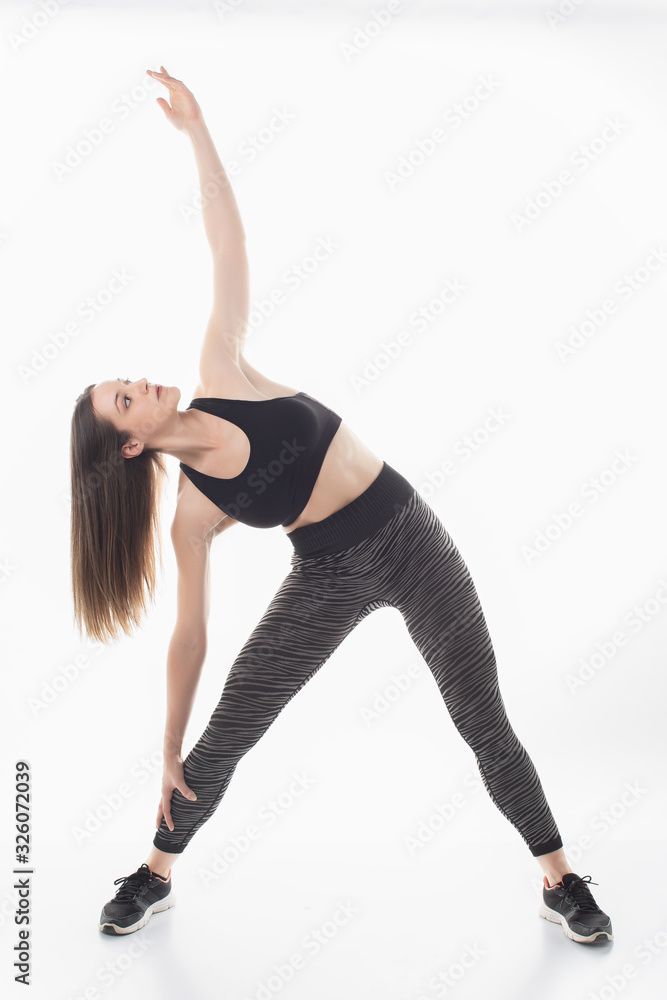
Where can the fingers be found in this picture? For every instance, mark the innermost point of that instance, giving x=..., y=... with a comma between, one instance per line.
x=168, y=81
x=165, y=804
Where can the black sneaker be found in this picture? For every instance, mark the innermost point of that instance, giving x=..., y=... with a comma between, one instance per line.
x=140, y=895
x=570, y=903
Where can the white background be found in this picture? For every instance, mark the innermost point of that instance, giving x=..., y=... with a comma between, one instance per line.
x=360, y=98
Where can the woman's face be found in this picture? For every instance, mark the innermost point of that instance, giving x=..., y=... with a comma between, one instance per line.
x=139, y=407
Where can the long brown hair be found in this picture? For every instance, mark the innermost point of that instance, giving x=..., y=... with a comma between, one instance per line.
x=115, y=525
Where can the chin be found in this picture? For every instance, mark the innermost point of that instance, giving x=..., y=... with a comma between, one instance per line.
x=174, y=392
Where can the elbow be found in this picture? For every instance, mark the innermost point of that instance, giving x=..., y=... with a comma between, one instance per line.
x=230, y=245
x=190, y=642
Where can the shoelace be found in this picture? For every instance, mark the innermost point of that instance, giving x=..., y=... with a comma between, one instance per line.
x=132, y=882
x=579, y=893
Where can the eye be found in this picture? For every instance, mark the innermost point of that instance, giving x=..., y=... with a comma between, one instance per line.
x=125, y=398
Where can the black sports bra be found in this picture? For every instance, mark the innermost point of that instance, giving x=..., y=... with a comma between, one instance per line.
x=289, y=437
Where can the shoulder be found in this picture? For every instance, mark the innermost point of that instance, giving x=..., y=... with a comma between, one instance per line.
x=238, y=381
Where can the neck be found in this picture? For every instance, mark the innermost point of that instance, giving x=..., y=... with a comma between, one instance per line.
x=187, y=439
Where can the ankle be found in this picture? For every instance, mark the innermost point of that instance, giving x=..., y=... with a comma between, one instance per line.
x=162, y=872
x=554, y=878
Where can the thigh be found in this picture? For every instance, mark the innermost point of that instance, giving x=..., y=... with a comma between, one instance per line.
x=443, y=613
x=308, y=617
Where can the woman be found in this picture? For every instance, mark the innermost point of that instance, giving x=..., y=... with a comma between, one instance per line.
x=254, y=451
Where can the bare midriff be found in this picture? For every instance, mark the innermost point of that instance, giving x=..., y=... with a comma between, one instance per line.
x=349, y=468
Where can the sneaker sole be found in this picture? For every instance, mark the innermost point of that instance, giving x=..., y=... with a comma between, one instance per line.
x=557, y=918
x=162, y=904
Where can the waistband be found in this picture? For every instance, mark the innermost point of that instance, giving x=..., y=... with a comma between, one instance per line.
x=357, y=520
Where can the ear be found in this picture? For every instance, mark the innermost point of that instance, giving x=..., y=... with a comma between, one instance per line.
x=132, y=448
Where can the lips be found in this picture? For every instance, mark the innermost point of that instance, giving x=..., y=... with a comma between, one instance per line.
x=159, y=391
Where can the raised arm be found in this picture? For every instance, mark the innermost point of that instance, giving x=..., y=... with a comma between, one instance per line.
x=228, y=322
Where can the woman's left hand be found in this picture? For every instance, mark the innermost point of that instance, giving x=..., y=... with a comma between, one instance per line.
x=184, y=110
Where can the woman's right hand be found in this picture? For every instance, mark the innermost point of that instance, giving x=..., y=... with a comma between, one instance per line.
x=184, y=110
x=172, y=777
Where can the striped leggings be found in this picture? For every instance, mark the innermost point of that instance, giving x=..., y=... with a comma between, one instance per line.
x=386, y=548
